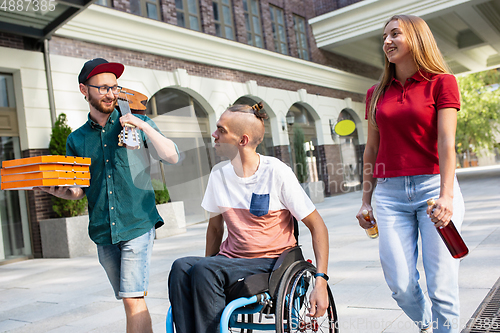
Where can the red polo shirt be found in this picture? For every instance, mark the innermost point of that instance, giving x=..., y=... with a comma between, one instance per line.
x=407, y=121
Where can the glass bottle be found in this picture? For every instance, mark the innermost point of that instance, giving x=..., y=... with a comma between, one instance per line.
x=373, y=231
x=451, y=238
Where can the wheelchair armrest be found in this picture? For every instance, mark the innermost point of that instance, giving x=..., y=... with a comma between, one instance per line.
x=288, y=256
x=284, y=261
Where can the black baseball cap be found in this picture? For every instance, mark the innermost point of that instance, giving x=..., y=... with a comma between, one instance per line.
x=98, y=66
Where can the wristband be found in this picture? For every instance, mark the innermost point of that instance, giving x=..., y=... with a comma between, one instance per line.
x=323, y=275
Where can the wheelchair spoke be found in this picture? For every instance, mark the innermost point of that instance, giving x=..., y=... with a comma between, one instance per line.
x=299, y=306
x=293, y=303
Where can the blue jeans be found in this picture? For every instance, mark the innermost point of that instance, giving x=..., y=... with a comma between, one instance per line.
x=127, y=265
x=401, y=213
x=196, y=288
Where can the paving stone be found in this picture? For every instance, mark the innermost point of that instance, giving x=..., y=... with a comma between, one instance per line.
x=73, y=295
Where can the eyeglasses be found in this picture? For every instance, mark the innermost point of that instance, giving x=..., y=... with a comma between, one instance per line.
x=103, y=90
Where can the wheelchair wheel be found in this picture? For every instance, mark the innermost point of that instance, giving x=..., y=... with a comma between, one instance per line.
x=293, y=303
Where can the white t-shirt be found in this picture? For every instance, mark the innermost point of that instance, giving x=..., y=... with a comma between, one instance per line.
x=257, y=209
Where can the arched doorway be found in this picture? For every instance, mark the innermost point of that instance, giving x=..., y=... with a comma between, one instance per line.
x=352, y=157
x=266, y=146
x=182, y=115
x=299, y=117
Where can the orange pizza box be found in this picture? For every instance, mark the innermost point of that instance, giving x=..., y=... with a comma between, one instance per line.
x=29, y=184
x=45, y=159
x=44, y=167
x=45, y=175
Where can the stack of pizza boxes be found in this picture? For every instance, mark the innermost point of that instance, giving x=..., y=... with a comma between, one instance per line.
x=48, y=170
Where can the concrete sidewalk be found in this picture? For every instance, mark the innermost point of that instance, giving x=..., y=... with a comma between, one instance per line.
x=73, y=295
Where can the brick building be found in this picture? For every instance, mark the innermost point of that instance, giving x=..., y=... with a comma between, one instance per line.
x=192, y=58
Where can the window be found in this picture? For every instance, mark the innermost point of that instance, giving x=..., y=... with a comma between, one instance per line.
x=279, y=33
x=299, y=24
x=14, y=226
x=7, y=99
x=188, y=14
x=105, y=3
x=147, y=8
x=152, y=10
x=252, y=21
x=223, y=19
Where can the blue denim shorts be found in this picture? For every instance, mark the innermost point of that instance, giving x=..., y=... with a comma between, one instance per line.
x=127, y=265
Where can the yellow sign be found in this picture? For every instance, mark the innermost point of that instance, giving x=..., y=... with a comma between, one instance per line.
x=345, y=127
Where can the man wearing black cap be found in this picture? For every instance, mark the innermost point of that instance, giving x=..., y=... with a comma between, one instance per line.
x=122, y=210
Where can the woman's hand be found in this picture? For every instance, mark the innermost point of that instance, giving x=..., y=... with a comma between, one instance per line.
x=441, y=212
x=361, y=219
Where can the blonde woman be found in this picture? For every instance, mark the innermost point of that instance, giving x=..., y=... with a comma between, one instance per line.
x=409, y=158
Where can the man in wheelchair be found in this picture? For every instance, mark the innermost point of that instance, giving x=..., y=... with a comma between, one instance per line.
x=256, y=196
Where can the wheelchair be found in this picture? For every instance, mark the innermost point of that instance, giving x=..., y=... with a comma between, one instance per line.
x=283, y=295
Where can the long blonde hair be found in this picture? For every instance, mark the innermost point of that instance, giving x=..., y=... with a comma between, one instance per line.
x=424, y=50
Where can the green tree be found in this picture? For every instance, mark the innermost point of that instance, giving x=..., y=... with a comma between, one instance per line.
x=60, y=132
x=300, y=154
x=57, y=146
x=478, y=118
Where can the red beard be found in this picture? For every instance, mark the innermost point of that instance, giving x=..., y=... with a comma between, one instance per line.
x=99, y=106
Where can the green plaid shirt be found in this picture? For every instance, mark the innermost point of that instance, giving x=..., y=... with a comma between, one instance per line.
x=120, y=197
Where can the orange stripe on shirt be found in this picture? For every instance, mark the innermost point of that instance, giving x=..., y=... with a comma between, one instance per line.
x=251, y=236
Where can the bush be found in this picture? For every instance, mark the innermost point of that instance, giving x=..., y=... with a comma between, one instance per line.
x=57, y=146
x=60, y=133
x=69, y=208
x=161, y=192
